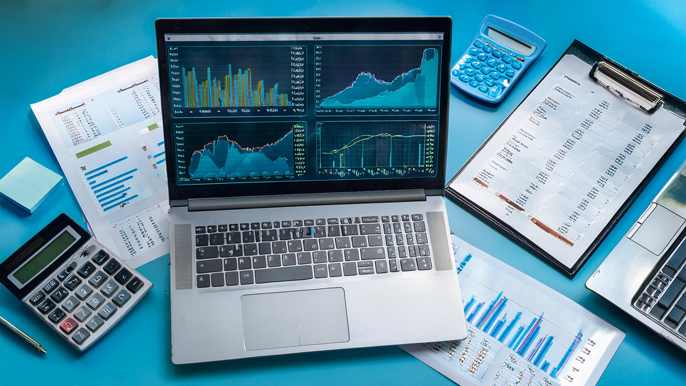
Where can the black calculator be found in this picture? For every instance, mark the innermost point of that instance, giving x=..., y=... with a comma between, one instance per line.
x=72, y=282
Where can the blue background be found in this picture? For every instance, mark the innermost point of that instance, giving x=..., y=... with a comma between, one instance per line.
x=47, y=46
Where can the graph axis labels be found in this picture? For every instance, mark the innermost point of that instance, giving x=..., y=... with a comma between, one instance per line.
x=203, y=88
x=382, y=86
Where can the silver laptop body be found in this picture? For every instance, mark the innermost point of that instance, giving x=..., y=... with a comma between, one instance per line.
x=645, y=274
x=265, y=268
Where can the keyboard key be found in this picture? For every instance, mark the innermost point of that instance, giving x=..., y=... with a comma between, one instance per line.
x=57, y=315
x=391, y=252
x=349, y=230
x=111, y=267
x=385, y=219
x=100, y=257
x=123, y=296
x=217, y=239
x=423, y=263
x=423, y=250
x=233, y=227
x=397, y=228
x=349, y=269
x=387, y=229
x=381, y=266
x=254, y=225
x=95, y=323
x=109, y=288
x=333, y=230
x=674, y=317
x=83, y=291
x=421, y=238
x=395, y=218
x=402, y=252
x=206, y=252
x=412, y=251
x=259, y=261
x=202, y=240
x=203, y=281
x=370, y=229
x=335, y=270
x=320, y=271
x=46, y=306
x=247, y=277
x=335, y=256
x=319, y=257
x=82, y=313
x=95, y=301
x=393, y=265
x=419, y=226
x=274, y=261
x=70, y=304
x=668, y=271
x=309, y=223
x=304, y=257
x=223, y=228
x=231, y=278
x=417, y=217
x=295, y=246
x=249, y=249
x=365, y=264
x=233, y=238
x=351, y=255
x=231, y=251
x=244, y=226
x=98, y=279
x=72, y=282
x=266, y=225
x=326, y=243
x=310, y=245
x=658, y=311
x=375, y=240
x=372, y=253
x=359, y=241
x=279, y=247
x=107, y=311
x=408, y=227
x=59, y=294
x=264, y=248
x=285, y=234
x=200, y=229
x=68, y=325
x=211, y=228
x=670, y=294
x=217, y=279
x=319, y=231
x=297, y=223
x=407, y=264
x=342, y=242
x=248, y=237
x=366, y=271
x=368, y=219
x=269, y=235
x=677, y=258
x=37, y=297
x=244, y=263
x=80, y=336
x=230, y=264
x=289, y=259
x=123, y=276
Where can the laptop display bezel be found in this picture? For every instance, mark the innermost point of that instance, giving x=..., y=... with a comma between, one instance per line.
x=304, y=25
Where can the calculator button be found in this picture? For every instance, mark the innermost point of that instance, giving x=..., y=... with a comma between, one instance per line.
x=501, y=67
x=470, y=71
x=100, y=257
x=487, y=48
x=516, y=65
x=80, y=336
x=135, y=284
x=463, y=78
x=473, y=51
x=94, y=323
x=107, y=311
x=123, y=276
x=494, y=91
x=86, y=270
x=111, y=267
x=82, y=313
x=476, y=64
x=507, y=59
x=46, y=306
x=495, y=75
x=95, y=301
x=62, y=275
x=479, y=77
x=483, y=88
x=35, y=299
x=455, y=72
x=84, y=291
x=497, y=53
x=482, y=56
x=57, y=315
x=72, y=282
x=466, y=59
x=123, y=296
x=68, y=325
x=52, y=284
x=510, y=73
x=59, y=294
x=109, y=288
x=492, y=62
x=489, y=82
x=473, y=83
x=70, y=304
x=478, y=43
x=97, y=279
x=485, y=70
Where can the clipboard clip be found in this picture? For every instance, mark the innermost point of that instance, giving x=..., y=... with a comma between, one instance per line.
x=626, y=86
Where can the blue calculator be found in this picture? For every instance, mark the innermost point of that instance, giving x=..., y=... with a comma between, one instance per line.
x=499, y=55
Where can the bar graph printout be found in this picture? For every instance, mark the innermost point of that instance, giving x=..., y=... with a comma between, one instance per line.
x=107, y=136
x=519, y=332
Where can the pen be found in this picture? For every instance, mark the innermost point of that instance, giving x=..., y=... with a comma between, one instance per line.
x=22, y=335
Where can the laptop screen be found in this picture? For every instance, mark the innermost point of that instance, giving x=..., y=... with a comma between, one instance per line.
x=276, y=107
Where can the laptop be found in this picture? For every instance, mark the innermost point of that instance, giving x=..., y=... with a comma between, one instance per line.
x=645, y=274
x=306, y=162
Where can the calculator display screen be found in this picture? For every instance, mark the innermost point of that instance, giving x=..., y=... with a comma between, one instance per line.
x=43, y=258
x=510, y=41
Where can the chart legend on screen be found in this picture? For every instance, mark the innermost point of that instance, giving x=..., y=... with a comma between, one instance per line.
x=376, y=80
x=237, y=81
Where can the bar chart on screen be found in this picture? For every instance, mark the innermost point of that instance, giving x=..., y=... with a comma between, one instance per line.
x=519, y=331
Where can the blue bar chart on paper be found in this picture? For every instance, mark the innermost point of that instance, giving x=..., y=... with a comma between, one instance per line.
x=376, y=80
x=518, y=334
x=353, y=149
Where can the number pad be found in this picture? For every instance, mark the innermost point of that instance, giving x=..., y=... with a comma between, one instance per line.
x=487, y=68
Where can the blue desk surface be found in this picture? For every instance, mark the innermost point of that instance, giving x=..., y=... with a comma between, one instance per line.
x=47, y=46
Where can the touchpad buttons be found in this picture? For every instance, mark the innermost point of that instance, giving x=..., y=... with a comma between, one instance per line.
x=296, y=318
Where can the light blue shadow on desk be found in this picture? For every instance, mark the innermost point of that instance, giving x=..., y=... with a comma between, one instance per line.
x=29, y=184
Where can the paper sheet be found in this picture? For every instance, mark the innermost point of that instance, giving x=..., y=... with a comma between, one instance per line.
x=566, y=160
x=107, y=136
x=520, y=332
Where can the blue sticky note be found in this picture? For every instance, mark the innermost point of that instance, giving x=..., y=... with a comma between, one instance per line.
x=29, y=184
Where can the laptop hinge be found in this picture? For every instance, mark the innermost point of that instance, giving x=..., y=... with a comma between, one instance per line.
x=305, y=199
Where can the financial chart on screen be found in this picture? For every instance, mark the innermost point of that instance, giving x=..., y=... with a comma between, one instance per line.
x=304, y=107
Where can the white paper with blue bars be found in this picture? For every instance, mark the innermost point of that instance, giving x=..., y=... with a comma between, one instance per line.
x=107, y=136
x=519, y=332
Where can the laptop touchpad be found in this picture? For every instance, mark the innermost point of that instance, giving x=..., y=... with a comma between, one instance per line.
x=657, y=230
x=296, y=318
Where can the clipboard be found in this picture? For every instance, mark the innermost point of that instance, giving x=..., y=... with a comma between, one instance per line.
x=560, y=171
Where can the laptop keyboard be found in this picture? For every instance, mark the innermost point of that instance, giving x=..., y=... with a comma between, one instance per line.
x=280, y=251
x=664, y=298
